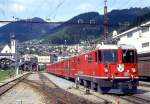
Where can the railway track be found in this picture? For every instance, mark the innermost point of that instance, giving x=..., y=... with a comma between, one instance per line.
x=87, y=91
x=63, y=97
x=135, y=99
x=144, y=84
x=132, y=99
x=7, y=86
x=54, y=94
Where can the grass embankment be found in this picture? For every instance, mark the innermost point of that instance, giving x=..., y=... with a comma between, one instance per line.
x=5, y=74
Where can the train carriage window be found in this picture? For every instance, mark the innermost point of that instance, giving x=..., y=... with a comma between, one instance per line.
x=95, y=56
x=69, y=64
x=78, y=61
x=90, y=58
x=99, y=56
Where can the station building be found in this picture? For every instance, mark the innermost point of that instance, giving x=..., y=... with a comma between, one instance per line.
x=137, y=36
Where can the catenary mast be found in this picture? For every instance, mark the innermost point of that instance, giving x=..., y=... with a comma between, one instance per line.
x=105, y=21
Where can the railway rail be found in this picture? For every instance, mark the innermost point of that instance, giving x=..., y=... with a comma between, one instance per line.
x=7, y=86
x=135, y=99
x=144, y=84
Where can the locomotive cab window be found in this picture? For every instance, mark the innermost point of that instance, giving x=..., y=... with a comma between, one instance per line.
x=110, y=56
x=128, y=56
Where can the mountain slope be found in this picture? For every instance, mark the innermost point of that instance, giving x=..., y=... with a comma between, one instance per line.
x=82, y=27
x=33, y=29
x=85, y=26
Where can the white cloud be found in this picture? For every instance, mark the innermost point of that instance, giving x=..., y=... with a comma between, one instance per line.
x=17, y=7
x=23, y=1
x=13, y=7
x=84, y=6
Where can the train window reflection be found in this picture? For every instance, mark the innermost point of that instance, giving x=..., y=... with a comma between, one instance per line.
x=128, y=56
x=110, y=56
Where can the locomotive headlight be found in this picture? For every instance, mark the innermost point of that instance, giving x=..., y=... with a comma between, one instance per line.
x=133, y=70
x=106, y=70
x=120, y=67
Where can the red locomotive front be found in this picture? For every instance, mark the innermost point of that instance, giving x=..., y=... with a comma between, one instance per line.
x=118, y=63
x=110, y=69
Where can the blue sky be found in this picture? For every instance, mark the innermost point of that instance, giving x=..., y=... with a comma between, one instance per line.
x=60, y=10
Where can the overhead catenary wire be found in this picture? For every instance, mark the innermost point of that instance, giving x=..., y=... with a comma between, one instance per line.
x=134, y=3
x=57, y=7
x=66, y=23
x=2, y=11
x=124, y=4
x=39, y=6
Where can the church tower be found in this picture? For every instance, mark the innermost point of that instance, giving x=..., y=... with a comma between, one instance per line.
x=13, y=44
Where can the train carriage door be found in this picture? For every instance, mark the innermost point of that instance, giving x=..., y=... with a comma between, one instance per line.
x=67, y=68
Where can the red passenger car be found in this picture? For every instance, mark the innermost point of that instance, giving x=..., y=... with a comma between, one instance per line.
x=108, y=69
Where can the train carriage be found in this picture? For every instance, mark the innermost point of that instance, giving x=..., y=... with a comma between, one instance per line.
x=108, y=68
x=144, y=65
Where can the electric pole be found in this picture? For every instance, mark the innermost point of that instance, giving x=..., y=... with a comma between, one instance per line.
x=105, y=21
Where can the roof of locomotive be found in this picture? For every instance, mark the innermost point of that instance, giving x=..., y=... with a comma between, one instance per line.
x=112, y=46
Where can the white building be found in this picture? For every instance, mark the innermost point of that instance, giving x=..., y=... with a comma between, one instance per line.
x=28, y=57
x=40, y=59
x=9, y=51
x=137, y=36
x=43, y=59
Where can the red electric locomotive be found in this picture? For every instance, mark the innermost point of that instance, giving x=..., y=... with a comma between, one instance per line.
x=108, y=68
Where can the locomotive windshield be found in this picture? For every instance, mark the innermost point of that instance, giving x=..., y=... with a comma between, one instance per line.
x=110, y=56
x=128, y=56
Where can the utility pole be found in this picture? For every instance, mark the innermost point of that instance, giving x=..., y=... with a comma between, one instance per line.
x=14, y=48
x=105, y=21
x=16, y=58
